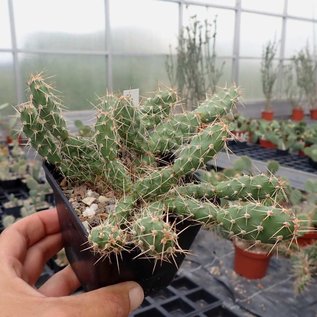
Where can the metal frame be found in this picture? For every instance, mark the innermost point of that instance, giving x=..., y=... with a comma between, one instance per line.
x=108, y=54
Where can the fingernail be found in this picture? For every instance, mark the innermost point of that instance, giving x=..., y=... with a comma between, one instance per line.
x=136, y=296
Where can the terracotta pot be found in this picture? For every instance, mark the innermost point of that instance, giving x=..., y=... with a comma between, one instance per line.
x=9, y=140
x=307, y=238
x=313, y=114
x=267, y=115
x=267, y=144
x=252, y=265
x=297, y=114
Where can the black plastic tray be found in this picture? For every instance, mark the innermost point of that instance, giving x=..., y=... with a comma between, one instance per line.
x=256, y=152
x=183, y=298
x=4, y=197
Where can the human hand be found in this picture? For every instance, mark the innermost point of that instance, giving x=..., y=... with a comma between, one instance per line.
x=25, y=247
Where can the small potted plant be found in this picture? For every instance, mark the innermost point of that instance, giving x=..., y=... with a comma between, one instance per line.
x=293, y=91
x=142, y=216
x=286, y=137
x=306, y=210
x=239, y=127
x=268, y=77
x=265, y=129
x=306, y=79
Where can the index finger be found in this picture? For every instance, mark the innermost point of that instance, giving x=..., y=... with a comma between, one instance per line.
x=15, y=240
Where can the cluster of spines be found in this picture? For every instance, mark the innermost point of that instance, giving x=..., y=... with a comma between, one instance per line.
x=219, y=105
x=155, y=109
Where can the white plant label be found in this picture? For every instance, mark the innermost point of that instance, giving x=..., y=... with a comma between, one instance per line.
x=134, y=94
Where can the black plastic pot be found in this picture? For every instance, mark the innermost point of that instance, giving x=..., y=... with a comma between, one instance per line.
x=93, y=272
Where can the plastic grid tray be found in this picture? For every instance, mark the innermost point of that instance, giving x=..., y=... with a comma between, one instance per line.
x=256, y=152
x=4, y=196
x=183, y=298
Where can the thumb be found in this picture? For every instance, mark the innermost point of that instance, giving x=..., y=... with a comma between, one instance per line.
x=112, y=301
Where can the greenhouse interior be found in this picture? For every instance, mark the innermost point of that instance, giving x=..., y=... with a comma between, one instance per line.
x=170, y=143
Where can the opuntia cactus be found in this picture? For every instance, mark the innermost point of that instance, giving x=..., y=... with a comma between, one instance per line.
x=126, y=156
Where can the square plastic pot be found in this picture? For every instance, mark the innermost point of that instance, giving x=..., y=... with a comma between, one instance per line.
x=94, y=273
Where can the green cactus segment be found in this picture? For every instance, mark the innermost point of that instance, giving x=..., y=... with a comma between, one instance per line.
x=173, y=132
x=155, y=236
x=249, y=187
x=156, y=208
x=106, y=136
x=145, y=160
x=107, y=238
x=117, y=176
x=157, y=183
x=157, y=108
x=79, y=159
x=108, y=103
x=160, y=103
x=196, y=191
x=130, y=126
x=189, y=207
x=48, y=107
x=123, y=210
x=75, y=148
x=201, y=149
x=40, y=139
x=254, y=222
x=219, y=105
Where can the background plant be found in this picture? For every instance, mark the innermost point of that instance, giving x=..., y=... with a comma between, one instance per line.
x=194, y=71
x=293, y=92
x=306, y=75
x=268, y=72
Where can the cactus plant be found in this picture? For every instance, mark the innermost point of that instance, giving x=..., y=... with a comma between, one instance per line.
x=125, y=157
x=195, y=70
x=306, y=75
x=304, y=267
